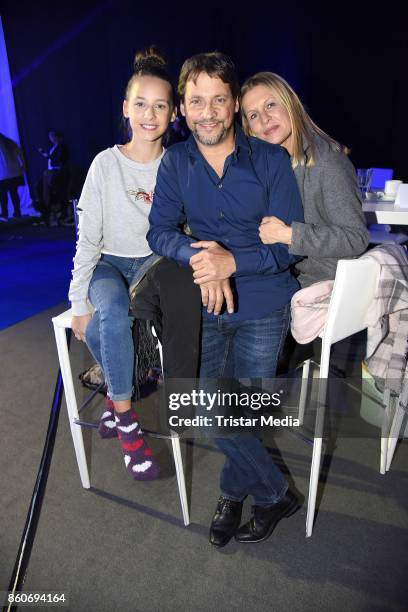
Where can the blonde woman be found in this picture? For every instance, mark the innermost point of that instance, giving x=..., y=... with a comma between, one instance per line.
x=334, y=226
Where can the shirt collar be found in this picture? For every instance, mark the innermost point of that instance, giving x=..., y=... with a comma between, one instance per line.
x=241, y=140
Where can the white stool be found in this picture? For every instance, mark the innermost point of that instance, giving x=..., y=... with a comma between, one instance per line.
x=61, y=323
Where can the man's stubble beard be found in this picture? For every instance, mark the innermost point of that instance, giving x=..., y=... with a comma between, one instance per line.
x=212, y=140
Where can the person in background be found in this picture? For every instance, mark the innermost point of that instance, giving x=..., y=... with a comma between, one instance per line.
x=179, y=131
x=11, y=175
x=112, y=251
x=52, y=189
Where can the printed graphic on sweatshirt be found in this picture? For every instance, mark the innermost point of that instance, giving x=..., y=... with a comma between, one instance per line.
x=141, y=194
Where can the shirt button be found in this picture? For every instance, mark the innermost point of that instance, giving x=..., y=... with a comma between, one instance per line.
x=221, y=214
x=220, y=186
x=227, y=240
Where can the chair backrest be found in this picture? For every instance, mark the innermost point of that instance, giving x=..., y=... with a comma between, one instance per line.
x=379, y=176
x=354, y=290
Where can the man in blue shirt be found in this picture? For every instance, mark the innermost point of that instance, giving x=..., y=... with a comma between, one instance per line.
x=222, y=184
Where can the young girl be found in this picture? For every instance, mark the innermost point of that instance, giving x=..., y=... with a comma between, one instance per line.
x=112, y=251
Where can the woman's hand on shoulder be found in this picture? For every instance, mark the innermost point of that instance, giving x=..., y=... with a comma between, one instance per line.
x=79, y=325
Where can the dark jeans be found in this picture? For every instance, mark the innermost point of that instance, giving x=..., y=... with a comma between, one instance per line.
x=52, y=193
x=246, y=350
x=10, y=186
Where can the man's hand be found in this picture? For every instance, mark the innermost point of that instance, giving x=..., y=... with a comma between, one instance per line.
x=79, y=325
x=273, y=230
x=213, y=263
x=214, y=293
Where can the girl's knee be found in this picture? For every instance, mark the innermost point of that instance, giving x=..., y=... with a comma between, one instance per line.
x=116, y=315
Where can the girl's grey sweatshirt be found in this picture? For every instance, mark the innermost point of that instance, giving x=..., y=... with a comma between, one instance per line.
x=113, y=217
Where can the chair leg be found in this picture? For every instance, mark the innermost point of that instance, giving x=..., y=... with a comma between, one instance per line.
x=76, y=431
x=385, y=431
x=394, y=434
x=317, y=453
x=313, y=483
x=178, y=461
x=383, y=455
x=303, y=390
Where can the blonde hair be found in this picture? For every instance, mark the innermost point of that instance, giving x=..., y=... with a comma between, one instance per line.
x=300, y=122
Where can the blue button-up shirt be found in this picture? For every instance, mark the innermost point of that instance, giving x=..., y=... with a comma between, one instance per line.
x=257, y=181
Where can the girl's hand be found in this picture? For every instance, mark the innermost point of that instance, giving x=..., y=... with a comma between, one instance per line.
x=273, y=230
x=79, y=325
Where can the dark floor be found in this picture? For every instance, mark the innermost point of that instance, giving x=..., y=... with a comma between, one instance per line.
x=122, y=545
x=33, y=259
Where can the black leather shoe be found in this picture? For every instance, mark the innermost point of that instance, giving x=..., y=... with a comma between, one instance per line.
x=265, y=518
x=226, y=521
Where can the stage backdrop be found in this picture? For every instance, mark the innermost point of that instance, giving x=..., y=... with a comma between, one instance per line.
x=8, y=119
x=70, y=63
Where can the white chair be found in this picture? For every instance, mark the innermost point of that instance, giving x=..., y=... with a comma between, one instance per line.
x=353, y=291
x=61, y=323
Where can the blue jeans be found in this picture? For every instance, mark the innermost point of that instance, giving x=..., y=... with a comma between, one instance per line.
x=109, y=332
x=246, y=349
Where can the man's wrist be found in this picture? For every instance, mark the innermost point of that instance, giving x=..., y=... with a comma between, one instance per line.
x=233, y=264
x=285, y=235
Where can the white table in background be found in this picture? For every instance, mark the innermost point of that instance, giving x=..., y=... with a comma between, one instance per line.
x=381, y=211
